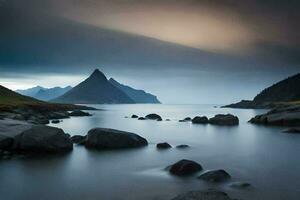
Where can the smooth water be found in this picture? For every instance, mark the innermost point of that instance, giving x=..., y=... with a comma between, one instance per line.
x=262, y=156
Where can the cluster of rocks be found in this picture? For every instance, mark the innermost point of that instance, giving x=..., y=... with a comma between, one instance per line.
x=165, y=145
x=41, y=116
x=220, y=119
x=188, y=167
x=19, y=137
x=151, y=116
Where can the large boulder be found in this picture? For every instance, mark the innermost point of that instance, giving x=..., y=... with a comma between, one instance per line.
x=203, y=195
x=79, y=113
x=163, y=145
x=153, y=116
x=280, y=116
x=215, y=176
x=103, y=138
x=41, y=138
x=185, y=167
x=200, y=120
x=227, y=120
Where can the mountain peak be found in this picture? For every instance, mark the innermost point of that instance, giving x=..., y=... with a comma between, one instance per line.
x=98, y=74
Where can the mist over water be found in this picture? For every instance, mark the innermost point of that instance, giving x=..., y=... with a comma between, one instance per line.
x=262, y=156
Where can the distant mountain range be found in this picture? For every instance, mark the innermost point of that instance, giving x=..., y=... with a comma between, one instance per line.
x=44, y=94
x=139, y=96
x=287, y=90
x=97, y=89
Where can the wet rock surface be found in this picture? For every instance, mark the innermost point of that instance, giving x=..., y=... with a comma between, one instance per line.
x=185, y=167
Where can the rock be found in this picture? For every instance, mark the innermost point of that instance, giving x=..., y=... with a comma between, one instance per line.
x=78, y=139
x=182, y=146
x=58, y=115
x=292, y=130
x=103, y=138
x=215, y=176
x=134, y=116
x=141, y=118
x=41, y=138
x=227, y=120
x=280, y=116
x=159, y=120
x=185, y=167
x=55, y=121
x=200, y=120
x=6, y=142
x=153, y=117
x=79, y=113
x=163, y=145
x=203, y=195
x=168, y=120
x=240, y=185
x=187, y=119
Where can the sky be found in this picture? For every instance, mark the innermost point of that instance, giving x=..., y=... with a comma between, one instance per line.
x=183, y=51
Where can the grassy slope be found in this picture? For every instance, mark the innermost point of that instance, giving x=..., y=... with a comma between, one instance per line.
x=11, y=100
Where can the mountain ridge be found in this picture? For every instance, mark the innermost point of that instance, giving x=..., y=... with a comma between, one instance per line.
x=286, y=90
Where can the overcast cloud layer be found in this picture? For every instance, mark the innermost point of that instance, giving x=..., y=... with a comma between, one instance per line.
x=208, y=51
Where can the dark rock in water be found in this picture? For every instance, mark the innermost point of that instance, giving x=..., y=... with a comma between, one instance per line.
x=226, y=120
x=58, y=115
x=203, y=195
x=159, y=120
x=168, y=120
x=42, y=139
x=79, y=113
x=215, y=176
x=6, y=142
x=187, y=119
x=153, y=117
x=240, y=185
x=103, y=138
x=141, y=118
x=134, y=116
x=185, y=167
x=163, y=145
x=292, y=130
x=78, y=139
x=285, y=115
x=182, y=146
x=200, y=120
x=55, y=121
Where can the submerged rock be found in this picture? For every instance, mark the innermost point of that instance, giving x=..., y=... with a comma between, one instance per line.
x=141, y=118
x=134, y=116
x=163, y=145
x=103, y=138
x=227, y=120
x=292, y=130
x=203, y=195
x=185, y=167
x=55, y=121
x=182, y=146
x=215, y=176
x=78, y=139
x=79, y=113
x=240, y=185
x=153, y=116
x=200, y=120
x=42, y=139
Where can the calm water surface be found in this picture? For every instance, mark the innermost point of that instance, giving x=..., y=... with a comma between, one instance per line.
x=262, y=156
